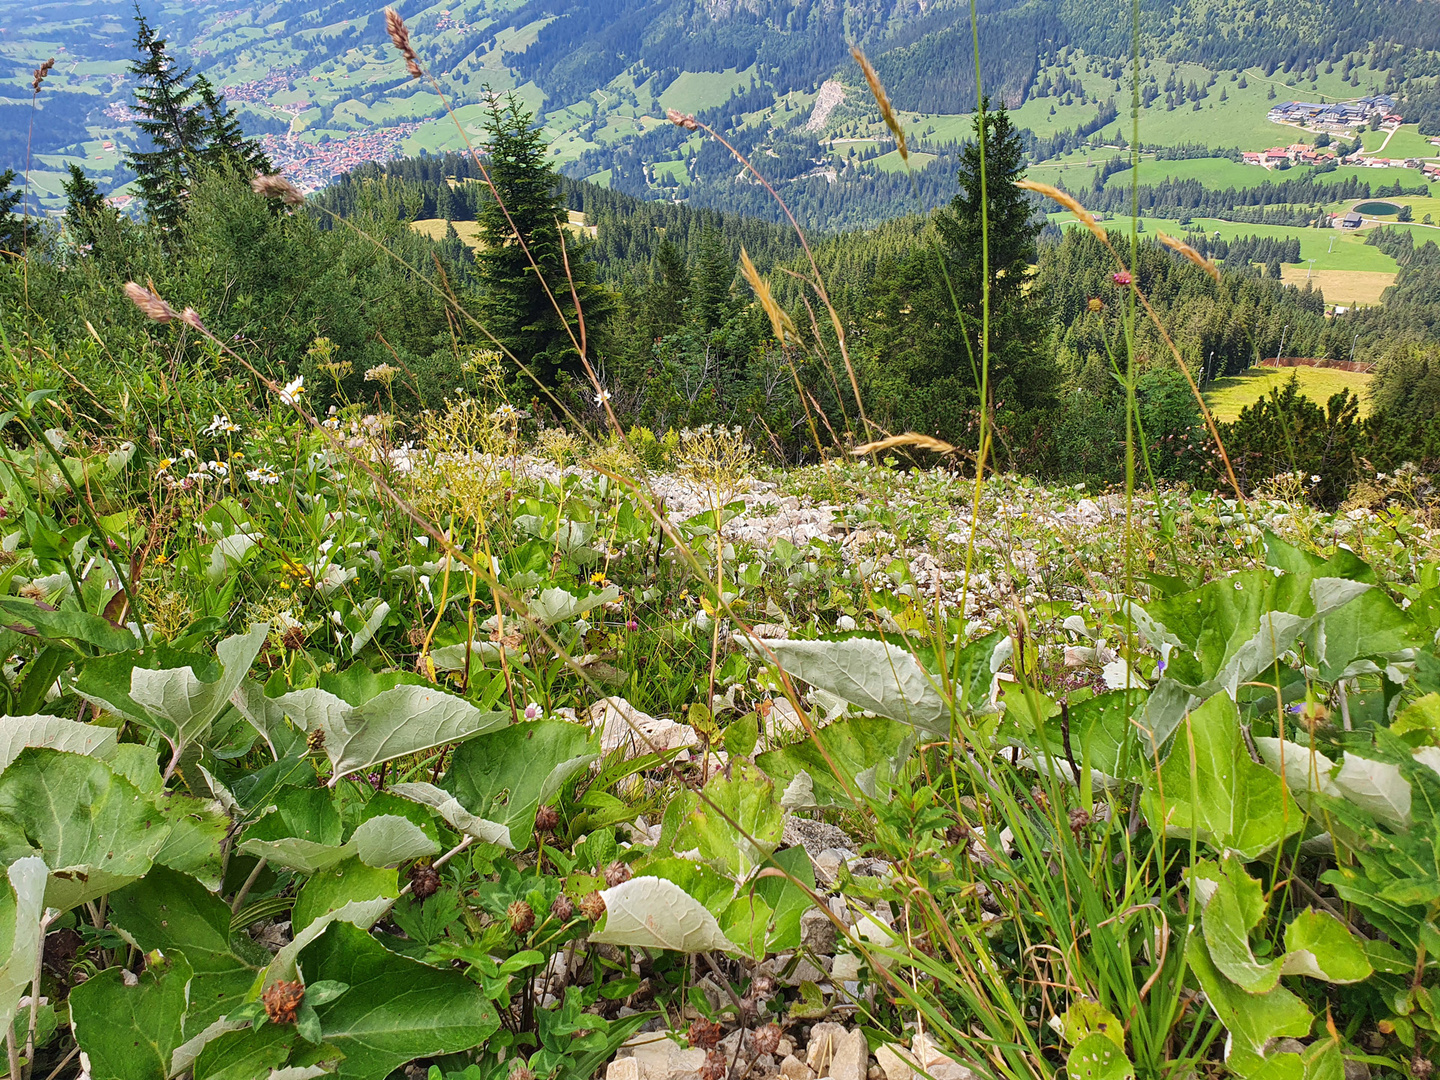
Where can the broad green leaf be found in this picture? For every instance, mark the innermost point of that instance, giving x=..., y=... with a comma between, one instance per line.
x=653, y=913
x=18, y=732
x=131, y=1032
x=1230, y=802
x=228, y=553
x=267, y=716
x=1085, y=1018
x=556, y=605
x=1103, y=735
x=21, y=906
x=400, y=721
x=306, y=856
x=182, y=706
x=504, y=776
x=1304, y=769
x=173, y=912
x=1098, y=1058
x=361, y=913
x=389, y=840
x=95, y=830
x=738, y=823
x=1251, y=1019
x=746, y=922
x=331, y=889
x=788, y=902
x=1377, y=787
x=1233, y=908
x=250, y=1054
x=873, y=674
x=453, y=814
x=1321, y=945
x=197, y=829
x=856, y=745
x=1372, y=625
x=396, y=1009
x=67, y=624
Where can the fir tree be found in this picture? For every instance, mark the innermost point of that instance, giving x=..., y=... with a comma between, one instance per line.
x=514, y=303
x=173, y=123
x=226, y=146
x=711, y=281
x=84, y=206
x=11, y=228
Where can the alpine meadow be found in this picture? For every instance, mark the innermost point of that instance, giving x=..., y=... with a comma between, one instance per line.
x=727, y=540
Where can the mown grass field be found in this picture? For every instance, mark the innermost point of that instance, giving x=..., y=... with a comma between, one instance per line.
x=1352, y=288
x=1227, y=397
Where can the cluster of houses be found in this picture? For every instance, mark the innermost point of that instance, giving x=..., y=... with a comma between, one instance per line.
x=1339, y=115
x=313, y=165
x=1294, y=154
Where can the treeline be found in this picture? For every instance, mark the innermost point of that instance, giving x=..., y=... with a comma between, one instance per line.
x=1245, y=250
x=1174, y=196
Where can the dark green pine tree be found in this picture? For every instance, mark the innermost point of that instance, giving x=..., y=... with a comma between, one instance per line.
x=85, y=207
x=226, y=146
x=711, y=281
x=172, y=121
x=514, y=303
x=11, y=227
x=669, y=290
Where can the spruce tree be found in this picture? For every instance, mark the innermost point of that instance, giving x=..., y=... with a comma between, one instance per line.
x=514, y=303
x=11, y=227
x=711, y=281
x=226, y=146
x=84, y=206
x=172, y=121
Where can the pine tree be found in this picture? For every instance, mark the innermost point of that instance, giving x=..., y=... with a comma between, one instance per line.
x=514, y=303
x=226, y=146
x=710, y=283
x=85, y=207
x=172, y=121
x=11, y=228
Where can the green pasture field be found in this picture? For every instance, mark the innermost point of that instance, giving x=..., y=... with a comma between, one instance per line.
x=693, y=91
x=1227, y=397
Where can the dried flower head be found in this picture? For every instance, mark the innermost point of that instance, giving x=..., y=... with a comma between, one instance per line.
x=715, y=1067
x=563, y=908
x=191, y=317
x=522, y=917
x=149, y=303
x=887, y=111
x=767, y=1039
x=40, y=73
x=275, y=186
x=520, y=1071
x=910, y=438
x=617, y=873
x=315, y=741
x=1191, y=254
x=684, y=120
x=282, y=1001
x=1079, y=819
x=704, y=1034
x=546, y=819
x=424, y=881
x=592, y=906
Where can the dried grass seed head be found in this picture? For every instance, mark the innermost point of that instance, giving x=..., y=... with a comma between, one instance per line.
x=684, y=120
x=882, y=99
x=150, y=303
x=275, y=186
x=1191, y=254
x=1065, y=199
x=400, y=35
x=38, y=75
x=780, y=321
x=910, y=438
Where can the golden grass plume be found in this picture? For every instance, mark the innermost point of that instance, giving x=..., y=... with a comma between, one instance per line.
x=1065, y=199
x=780, y=320
x=911, y=439
x=1191, y=254
x=887, y=111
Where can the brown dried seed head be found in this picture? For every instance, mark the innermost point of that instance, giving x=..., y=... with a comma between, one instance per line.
x=780, y=321
x=424, y=881
x=592, y=906
x=547, y=818
x=715, y=1067
x=887, y=111
x=40, y=73
x=520, y=1071
x=315, y=740
x=294, y=638
x=522, y=917
x=412, y=68
x=910, y=438
x=275, y=186
x=563, y=908
x=704, y=1034
x=149, y=303
x=617, y=872
x=684, y=120
x=399, y=34
x=191, y=317
x=282, y=1001
x=767, y=1039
